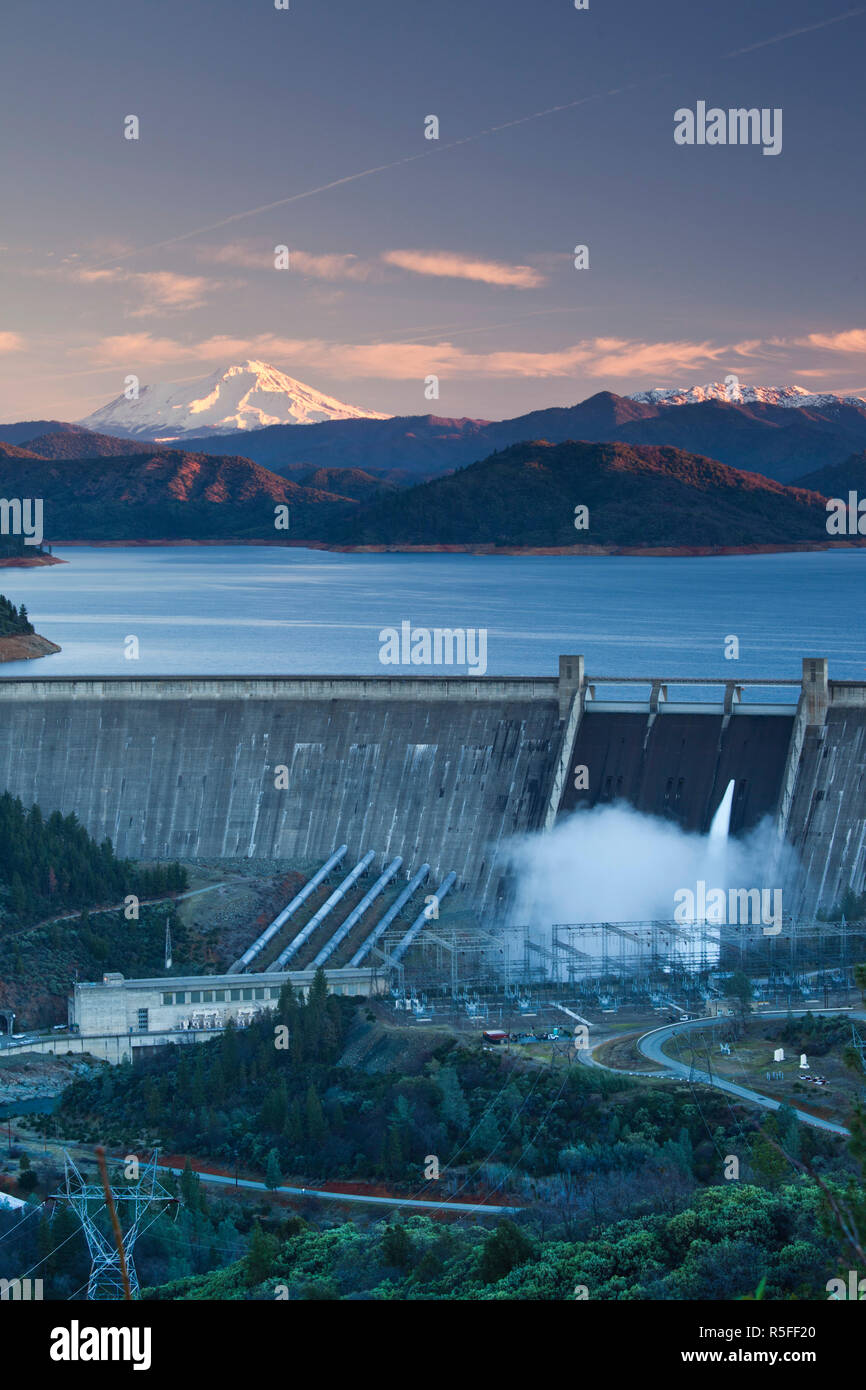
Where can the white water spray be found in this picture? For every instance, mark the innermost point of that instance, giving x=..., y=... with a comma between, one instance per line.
x=720, y=825
x=615, y=864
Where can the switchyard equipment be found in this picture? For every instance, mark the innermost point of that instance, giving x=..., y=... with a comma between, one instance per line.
x=648, y=957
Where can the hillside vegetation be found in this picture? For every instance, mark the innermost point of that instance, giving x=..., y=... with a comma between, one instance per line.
x=838, y=480
x=637, y=495
x=14, y=621
x=47, y=865
x=527, y=494
x=163, y=494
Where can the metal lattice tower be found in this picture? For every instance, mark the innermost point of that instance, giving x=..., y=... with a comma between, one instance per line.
x=132, y=1202
x=859, y=1046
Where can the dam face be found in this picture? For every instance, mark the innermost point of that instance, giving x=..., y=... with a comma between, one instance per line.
x=441, y=770
x=435, y=770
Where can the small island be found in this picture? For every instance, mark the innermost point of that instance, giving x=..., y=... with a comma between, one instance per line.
x=18, y=641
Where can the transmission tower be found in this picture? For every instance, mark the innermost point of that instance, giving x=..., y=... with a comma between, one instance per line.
x=859, y=1047
x=110, y=1252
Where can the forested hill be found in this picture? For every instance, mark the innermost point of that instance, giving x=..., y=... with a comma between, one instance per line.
x=13, y=621
x=11, y=546
x=840, y=479
x=636, y=496
x=50, y=864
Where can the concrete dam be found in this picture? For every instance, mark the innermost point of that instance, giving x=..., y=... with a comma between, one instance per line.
x=444, y=770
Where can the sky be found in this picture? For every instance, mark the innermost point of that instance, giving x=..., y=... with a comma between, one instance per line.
x=412, y=257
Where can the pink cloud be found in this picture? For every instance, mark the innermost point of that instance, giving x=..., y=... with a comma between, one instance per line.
x=399, y=360
x=162, y=291
x=611, y=357
x=455, y=266
x=618, y=360
x=852, y=340
x=336, y=265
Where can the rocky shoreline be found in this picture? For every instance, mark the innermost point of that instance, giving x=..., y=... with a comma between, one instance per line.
x=28, y=562
x=34, y=1077
x=482, y=548
x=26, y=647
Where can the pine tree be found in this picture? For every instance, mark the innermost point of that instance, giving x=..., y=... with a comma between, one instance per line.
x=189, y=1187
x=318, y=991
x=273, y=1176
x=455, y=1110
x=294, y=1126
x=315, y=1118
x=260, y=1255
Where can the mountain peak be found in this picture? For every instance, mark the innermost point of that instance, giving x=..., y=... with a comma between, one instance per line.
x=735, y=393
x=241, y=396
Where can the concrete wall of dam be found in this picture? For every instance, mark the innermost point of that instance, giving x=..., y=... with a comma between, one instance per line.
x=436, y=770
x=825, y=809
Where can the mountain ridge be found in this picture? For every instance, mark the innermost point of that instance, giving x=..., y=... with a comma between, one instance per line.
x=522, y=497
x=774, y=440
x=733, y=392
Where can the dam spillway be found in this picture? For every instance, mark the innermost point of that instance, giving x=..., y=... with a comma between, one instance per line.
x=440, y=770
x=678, y=765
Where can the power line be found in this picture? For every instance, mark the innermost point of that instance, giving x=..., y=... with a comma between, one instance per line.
x=112, y=1270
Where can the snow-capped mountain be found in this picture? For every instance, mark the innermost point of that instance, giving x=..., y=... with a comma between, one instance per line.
x=246, y=396
x=738, y=394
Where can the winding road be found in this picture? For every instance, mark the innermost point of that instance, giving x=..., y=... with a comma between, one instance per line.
x=322, y=1194
x=650, y=1046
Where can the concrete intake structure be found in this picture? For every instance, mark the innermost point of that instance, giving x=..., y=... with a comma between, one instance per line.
x=444, y=770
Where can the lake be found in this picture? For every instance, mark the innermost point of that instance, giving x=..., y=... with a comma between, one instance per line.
x=241, y=610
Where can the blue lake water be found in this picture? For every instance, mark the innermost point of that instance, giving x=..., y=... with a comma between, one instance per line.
x=260, y=610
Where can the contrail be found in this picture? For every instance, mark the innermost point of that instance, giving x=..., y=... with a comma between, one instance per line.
x=365, y=173
x=451, y=145
x=794, y=33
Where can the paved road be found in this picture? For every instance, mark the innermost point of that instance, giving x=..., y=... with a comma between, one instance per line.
x=651, y=1046
x=323, y=1195
x=85, y=1153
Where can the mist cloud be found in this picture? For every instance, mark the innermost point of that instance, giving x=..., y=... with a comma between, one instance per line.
x=614, y=864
